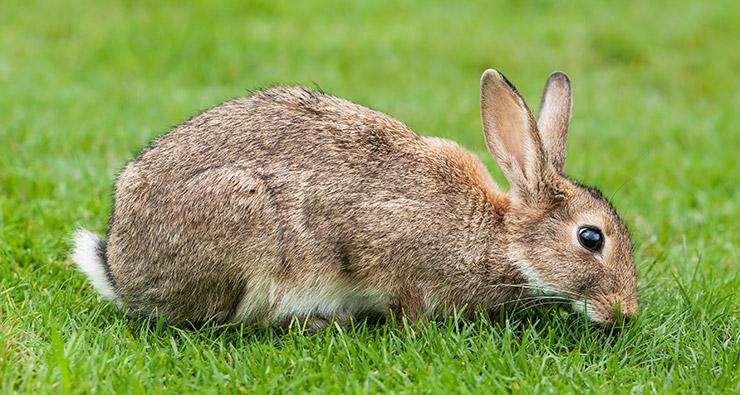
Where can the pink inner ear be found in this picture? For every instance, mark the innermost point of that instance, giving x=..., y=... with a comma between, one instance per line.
x=512, y=127
x=515, y=146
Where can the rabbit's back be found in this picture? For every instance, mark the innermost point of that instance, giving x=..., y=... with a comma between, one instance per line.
x=285, y=191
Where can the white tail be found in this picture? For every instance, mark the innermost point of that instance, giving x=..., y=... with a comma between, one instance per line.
x=86, y=255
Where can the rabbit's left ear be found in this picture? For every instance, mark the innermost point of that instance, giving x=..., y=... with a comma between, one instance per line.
x=511, y=136
x=554, y=116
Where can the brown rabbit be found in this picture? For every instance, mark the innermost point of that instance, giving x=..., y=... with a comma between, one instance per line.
x=292, y=203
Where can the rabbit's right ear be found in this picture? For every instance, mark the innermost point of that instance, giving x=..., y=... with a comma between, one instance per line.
x=511, y=136
x=555, y=109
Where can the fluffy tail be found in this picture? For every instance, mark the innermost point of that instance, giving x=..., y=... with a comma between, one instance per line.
x=90, y=257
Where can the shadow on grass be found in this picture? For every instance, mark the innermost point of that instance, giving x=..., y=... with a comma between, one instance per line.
x=552, y=324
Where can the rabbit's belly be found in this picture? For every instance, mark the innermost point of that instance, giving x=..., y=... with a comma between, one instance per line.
x=277, y=302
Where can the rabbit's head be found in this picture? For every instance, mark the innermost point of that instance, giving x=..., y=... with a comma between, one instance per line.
x=565, y=238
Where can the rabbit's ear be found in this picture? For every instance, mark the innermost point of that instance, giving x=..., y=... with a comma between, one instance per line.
x=511, y=135
x=555, y=110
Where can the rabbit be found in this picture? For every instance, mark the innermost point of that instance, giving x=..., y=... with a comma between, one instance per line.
x=291, y=203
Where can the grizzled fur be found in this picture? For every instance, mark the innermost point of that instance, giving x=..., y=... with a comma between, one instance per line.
x=292, y=203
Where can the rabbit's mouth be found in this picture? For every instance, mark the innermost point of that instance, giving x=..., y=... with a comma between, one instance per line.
x=607, y=310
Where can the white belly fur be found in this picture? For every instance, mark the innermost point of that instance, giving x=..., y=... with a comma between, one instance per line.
x=280, y=303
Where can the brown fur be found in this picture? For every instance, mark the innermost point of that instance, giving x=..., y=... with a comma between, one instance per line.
x=299, y=188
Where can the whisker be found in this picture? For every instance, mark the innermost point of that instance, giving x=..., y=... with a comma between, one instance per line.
x=536, y=288
x=620, y=187
x=525, y=301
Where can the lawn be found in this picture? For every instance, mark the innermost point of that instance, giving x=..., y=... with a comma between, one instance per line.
x=85, y=85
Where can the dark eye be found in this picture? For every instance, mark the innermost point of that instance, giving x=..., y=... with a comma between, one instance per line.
x=591, y=238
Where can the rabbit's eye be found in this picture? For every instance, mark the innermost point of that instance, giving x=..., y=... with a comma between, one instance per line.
x=591, y=238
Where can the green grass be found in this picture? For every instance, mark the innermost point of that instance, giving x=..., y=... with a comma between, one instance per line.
x=85, y=85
